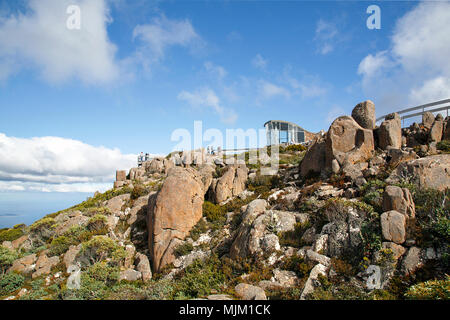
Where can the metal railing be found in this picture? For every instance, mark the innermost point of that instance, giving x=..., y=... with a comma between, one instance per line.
x=424, y=109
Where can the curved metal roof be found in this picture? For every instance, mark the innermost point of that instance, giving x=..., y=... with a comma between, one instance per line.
x=281, y=121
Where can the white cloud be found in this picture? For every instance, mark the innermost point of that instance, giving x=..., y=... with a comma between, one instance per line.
x=206, y=97
x=415, y=69
x=259, y=62
x=58, y=164
x=162, y=33
x=218, y=72
x=269, y=90
x=325, y=37
x=39, y=39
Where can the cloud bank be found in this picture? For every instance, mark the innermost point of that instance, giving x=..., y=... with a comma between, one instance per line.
x=53, y=164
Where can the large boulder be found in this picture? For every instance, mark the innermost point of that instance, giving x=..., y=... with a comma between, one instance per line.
x=390, y=132
x=249, y=292
x=399, y=199
x=446, y=133
x=121, y=175
x=137, y=173
x=430, y=172
x=393, y=226
x=230, y=184
x=428, y=119
x=437, y=129
x=364, y=114
x=24, y=265
x=314, y=160
x=173, y=212
x=343, y=232
x=158, y=165
x=247, y=233
x=44, y=265
x=348, y=142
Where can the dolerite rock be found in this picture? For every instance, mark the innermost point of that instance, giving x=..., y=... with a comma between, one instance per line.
x=121, y=175
x=348, y=142
x=364, y=114
x=396, y=198
x=428, y=119
x=249, y=292
x=393, y=226
x=343, y=232
x=446, y=134
x=430, y=172
x=412, y=261
x=130, y=275
x=230, y=184
x=245, y=233
x=173, y=212
x=158, y=165
x=437, y=129
x=314, y=160
x=206, y=172
x=143, y=266
x=390, y=133
x=309, y=287
x=44, y=265
x=24, y=265
x=137, y=173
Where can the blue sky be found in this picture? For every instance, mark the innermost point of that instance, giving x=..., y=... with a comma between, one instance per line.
x=138, y=70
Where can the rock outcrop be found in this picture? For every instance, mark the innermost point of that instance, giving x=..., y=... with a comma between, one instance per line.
x=173, y=212
x=230, y=184
x=364, y=114
x=430, y=172
x=390, y=132
x=348, y=142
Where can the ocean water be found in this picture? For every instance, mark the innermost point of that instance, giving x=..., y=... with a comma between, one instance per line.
x=27, y=207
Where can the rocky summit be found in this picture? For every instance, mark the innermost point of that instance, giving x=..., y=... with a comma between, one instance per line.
x=362, y=212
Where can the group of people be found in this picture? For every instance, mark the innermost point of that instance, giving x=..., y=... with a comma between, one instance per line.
x=211, y=150
x=143, y=158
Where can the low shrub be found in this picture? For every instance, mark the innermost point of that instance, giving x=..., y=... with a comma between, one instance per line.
x=101, y=247
x=200, y=278
x=11, y=234
x=7, y=257
x=298, y=265
x=10, y=282
x=198, y=229
x=183, y=249
x=430, y=290
x=98, y=224
x=214, y=214
x=444, y=145
x=294, y=238
x=138, y=191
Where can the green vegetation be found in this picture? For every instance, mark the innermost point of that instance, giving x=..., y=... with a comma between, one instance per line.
x=372, y=193
x=10, y=282
x=183, y=249
x=101, y=247
x=139, y=191
x=45, y=223
x=215, y=214
x=294, y=238
x=444, y=146
x=12, y=234
x=7, y=258
x=98, y=224
x=200, y=279
x=430, y=290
